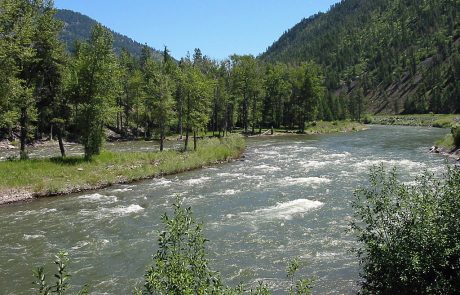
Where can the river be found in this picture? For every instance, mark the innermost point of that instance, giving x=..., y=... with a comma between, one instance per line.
x=290, y=197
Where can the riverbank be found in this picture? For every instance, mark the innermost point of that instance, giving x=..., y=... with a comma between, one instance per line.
x=428, y=120
x=319, y=127
x=443, y=146
x=446, y=146
x=35, y=178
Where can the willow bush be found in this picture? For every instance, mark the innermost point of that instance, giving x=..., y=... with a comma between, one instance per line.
x=409, y=235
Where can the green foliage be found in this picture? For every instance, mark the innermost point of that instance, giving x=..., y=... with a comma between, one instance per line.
x=95, y=86
x=409, y=234
x=43, y=91
x=382, y=45
x=41, y=177
x=446, y=142
x=180, y=264
x=456, y=134
x=181, y=267
x=62, y=276
x=429, y=120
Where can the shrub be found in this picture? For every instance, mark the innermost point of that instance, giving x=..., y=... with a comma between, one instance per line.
x=181, y=266
x=62, y=277
x=367, y=119
x=409, y=235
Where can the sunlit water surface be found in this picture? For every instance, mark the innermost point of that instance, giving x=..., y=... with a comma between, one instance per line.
x=290, y=197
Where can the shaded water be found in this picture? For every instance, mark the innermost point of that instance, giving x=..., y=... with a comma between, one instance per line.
x=289, y=198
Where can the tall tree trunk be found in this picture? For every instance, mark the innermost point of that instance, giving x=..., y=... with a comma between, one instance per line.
x=118, y=121
x=162, y=138
x=186, y=139
x=121, y=124
x=194, y=140
x=245, y=114
x=137, y=122
x=61, y=143
x=23, y=138
x=179, y=123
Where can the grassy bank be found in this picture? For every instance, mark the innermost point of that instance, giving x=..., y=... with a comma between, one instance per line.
x=323, y=127
x=429, y=120
x=326, y=127
x=21, y=180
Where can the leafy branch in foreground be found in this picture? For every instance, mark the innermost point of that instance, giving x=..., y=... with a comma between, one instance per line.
x=409, y=234
x=181, y=267
x=62, y=277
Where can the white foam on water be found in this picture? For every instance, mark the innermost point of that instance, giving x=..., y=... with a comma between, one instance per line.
x=32, y=237
x=266, y=153
x=99, y=198
x=124, y=210
x=109, y=212
x=121, y=190
x=287, y=210
x=314, y=164
x=255, y=177
x=225, y=174
x=340, y=156
x=80, y=245
x=161, y=181
x=267, y=168
x=408, y=164
x=313, y=182
x=38, y=212
x=228, y=192
x=195, y=181
x=308, y=148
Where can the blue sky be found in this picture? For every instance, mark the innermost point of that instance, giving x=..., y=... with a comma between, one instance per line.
x=218, y=27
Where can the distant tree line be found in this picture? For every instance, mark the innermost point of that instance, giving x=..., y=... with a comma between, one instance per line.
x=46, y=91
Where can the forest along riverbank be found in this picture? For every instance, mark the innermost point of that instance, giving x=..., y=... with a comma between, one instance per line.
x=25, y=180
x=290, y=197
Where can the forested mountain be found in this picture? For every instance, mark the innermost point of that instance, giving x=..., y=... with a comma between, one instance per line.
x=78, y=27
x=400, y=55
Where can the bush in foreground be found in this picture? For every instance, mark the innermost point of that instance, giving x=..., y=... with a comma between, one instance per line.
x=409, y=234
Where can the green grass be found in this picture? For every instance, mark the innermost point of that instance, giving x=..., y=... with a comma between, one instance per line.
x=326, y=127
x=447, y=142
x=43, y=177
x=431, y=120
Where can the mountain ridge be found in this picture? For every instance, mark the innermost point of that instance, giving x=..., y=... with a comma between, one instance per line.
x=77, y=27
x=403, y=55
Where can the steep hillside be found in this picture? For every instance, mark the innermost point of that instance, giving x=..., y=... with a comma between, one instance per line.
x=78, y=27
x=402, y=55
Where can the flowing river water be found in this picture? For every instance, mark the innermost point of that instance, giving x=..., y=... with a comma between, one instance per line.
x=290, y=197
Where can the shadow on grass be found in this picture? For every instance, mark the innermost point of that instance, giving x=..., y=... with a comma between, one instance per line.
x=69, y=161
